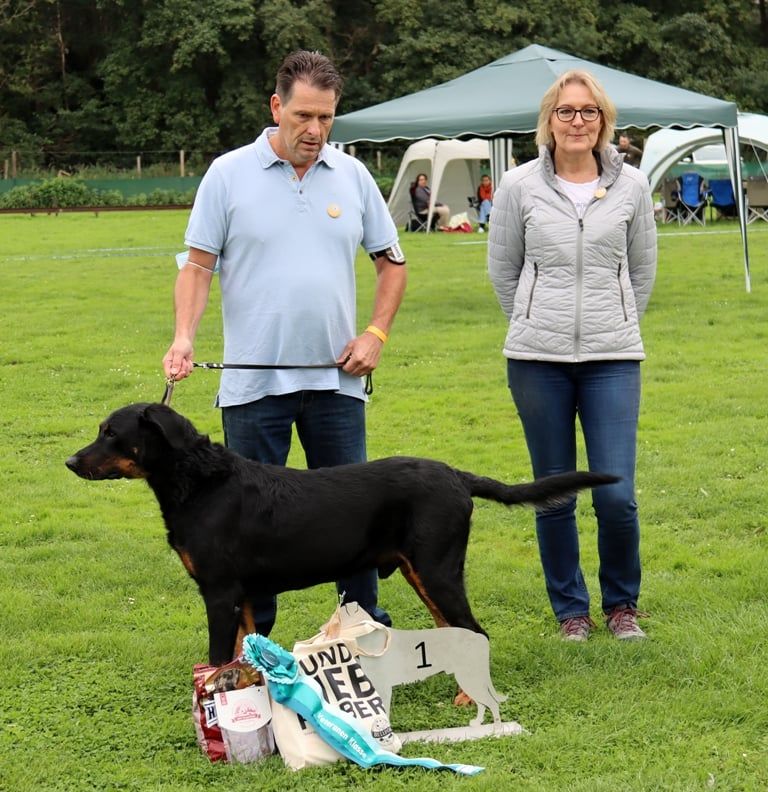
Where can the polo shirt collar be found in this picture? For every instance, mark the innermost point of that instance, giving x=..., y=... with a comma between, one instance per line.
x=267, y=156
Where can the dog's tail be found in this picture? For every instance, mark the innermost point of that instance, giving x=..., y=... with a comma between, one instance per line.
x=543, y=493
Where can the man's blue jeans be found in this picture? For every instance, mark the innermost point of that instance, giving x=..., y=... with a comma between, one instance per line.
x=606, y=397
x=331, y=428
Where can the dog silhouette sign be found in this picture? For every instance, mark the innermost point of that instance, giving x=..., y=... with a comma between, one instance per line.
x=392, y=657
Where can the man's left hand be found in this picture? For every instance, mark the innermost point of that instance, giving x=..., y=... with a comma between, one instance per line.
x=361, y=355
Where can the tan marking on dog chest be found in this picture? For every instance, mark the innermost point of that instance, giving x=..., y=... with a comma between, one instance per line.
x=186, y=559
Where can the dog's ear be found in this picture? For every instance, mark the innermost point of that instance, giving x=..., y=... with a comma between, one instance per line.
x=177, y=431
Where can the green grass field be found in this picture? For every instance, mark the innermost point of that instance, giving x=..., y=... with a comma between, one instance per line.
x=101, y=625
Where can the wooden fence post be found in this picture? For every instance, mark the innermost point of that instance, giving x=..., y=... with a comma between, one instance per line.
x=182, y=170
x=138, y=165
x=14, y=163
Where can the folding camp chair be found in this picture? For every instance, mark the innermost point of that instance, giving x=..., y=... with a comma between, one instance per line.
x=757, y=200
x=416, y=221
x=722, y=198
x=693, y=199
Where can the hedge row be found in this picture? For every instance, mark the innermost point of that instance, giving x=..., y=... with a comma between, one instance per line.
x=62, y=193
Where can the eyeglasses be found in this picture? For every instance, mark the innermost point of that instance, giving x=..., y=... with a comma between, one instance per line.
x=586, y=113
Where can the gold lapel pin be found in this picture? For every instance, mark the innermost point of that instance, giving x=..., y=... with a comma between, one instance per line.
x=334, y=211
x=600, y=192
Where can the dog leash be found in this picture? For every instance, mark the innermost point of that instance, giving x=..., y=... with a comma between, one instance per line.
x=170, y=382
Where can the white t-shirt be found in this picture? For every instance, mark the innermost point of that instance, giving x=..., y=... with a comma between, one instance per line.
x=580, y=194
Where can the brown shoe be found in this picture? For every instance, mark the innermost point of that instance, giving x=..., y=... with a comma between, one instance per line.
x=622, y=622
x=576, y=628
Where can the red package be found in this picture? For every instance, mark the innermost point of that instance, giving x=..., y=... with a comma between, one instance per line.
x=231, y=711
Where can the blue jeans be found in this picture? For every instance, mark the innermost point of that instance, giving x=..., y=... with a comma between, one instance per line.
x=331, y=428
x=606, y=397
x=484, y=211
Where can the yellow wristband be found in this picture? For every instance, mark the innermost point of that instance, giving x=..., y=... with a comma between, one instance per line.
x=380, y=334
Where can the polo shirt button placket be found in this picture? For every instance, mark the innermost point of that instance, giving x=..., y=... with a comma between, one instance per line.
x=301, y=202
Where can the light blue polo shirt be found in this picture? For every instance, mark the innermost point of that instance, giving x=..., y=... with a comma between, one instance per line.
x=286, y=261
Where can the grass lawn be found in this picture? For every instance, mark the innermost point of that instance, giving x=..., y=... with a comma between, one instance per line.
x=101, y=625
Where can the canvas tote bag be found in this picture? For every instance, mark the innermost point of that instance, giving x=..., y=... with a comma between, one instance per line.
x=330, y=659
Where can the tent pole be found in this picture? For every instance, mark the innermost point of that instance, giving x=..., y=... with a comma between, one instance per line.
x=501, y=158
x=731, y=140
x=433, y=185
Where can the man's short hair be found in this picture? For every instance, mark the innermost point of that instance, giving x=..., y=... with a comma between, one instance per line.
x=312, y=68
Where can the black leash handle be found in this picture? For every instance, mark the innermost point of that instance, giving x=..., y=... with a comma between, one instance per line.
x=170, y=382
x=368, y=389
x=263, y=366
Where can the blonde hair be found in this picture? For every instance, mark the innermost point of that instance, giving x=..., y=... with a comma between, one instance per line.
x=549, y=103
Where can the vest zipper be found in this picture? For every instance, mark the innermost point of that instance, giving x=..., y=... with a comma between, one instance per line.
x=579, y=279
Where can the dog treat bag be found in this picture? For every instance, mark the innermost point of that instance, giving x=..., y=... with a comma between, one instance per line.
x=232, y=713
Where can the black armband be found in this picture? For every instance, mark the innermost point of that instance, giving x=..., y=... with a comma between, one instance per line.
x=393, y=254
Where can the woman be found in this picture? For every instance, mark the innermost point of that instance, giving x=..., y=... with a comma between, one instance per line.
x=572, y=257
x=420, y=195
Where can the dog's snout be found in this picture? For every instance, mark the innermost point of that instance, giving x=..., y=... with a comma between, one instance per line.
x=73, y=463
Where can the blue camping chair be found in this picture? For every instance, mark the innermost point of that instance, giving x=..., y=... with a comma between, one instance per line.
x=722, y=197
x=693, y=199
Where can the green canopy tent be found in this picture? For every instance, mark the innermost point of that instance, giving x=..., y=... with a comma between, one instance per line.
x=502, y=99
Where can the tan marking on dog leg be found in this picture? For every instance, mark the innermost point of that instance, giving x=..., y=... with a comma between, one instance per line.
x=462, y=699
x=415, y=581
x=247, y=626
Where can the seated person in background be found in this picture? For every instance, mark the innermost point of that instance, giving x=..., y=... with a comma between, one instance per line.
x=420, y=194
x=484, y=201
x=632, y=154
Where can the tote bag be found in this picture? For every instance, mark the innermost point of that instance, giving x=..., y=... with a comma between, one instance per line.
x=331, y=661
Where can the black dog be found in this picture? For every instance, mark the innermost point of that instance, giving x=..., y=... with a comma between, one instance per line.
x=243, y=529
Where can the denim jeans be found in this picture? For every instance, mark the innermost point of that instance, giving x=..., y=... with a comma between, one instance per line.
x=606, y=397
x=484, y=211
x=331, y=428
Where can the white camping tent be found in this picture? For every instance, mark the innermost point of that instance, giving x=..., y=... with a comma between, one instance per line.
x=452, y=167
x=665, y=148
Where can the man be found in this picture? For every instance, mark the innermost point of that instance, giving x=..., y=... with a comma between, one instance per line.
x=280, y=221
x=632, y=154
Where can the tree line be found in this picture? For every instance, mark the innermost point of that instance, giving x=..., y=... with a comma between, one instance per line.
x=163, y=75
